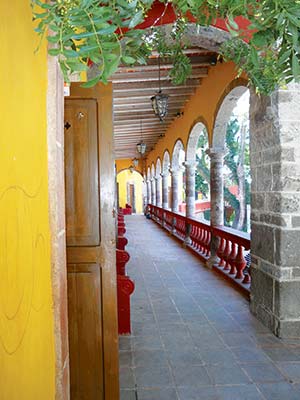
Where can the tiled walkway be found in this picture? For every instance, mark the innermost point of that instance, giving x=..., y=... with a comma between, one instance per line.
x=193, y=336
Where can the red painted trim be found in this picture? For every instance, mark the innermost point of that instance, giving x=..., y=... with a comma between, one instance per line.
x=160, y=14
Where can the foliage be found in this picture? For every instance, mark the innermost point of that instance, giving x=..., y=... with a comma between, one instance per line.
x=231, y=159
x=202, y=176
x=106, y=34
x=233, y=147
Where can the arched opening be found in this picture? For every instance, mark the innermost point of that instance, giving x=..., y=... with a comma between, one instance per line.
x=158, y=183
x=231, y=136
x=153, y=185
x=167, y=192
x=198, y=173
x=130, y=190
x=178, y=176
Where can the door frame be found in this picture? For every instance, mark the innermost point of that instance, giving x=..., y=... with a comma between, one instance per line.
x=56, y=190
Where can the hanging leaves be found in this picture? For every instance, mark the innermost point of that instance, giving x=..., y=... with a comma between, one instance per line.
x=105, y=33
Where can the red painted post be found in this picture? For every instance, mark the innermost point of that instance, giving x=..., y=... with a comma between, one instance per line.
x=122, y=258
x=125, y=288
x=240, y=263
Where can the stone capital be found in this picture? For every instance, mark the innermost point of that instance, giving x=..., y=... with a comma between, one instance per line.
x=216, y=153
x=190, y=165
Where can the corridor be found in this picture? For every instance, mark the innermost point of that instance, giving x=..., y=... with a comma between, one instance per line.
x=193, y=336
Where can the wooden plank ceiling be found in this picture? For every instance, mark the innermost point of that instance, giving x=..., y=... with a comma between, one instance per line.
x=132, y=89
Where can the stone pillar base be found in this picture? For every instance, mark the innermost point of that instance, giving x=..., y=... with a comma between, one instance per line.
x=213, y=260
x=276, y=303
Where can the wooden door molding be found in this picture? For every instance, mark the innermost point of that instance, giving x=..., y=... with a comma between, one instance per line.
x=106, y=254
x=56, y=190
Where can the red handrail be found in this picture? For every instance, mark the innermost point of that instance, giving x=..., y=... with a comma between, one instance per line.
x=198, y=236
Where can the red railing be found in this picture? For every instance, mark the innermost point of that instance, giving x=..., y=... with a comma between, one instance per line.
x=233, y=245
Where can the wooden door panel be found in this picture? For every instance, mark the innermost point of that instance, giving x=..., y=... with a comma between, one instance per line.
x=82, y=173
x=85, y=323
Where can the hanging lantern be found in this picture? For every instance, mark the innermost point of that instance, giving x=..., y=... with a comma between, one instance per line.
x=135, y=162
x=141, y=146
x=160, y=101
x=160, y=105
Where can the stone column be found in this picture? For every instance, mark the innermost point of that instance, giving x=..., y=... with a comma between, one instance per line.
x=275, y=203
x=158, y=190
x=165, y=199
x=153, y=194
x=174, y=187
x=190, y=167
x=148, y=191
x=216, y=197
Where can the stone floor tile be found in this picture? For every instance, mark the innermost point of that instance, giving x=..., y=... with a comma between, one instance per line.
x=279, y=391
x=184, y=357
x=237, y=339
x=190, y=375
x=291, y=370
x=125, y=343
x=127, y=395
x=281, y=354
x=250, y=355
x=149, y=358
x=227, y=374
x=242, y=392
x=147, y=343
x=157, y=394
x=196, y=393
x=191, y=327
x=125, y=358
x=260, y=373
x=127, y=379
x=217, y=356
x=155, y=377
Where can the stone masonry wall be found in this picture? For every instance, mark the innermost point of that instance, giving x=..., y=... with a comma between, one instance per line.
x=275, y=219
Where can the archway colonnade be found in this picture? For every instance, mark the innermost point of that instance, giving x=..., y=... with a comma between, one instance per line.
x=275, y=188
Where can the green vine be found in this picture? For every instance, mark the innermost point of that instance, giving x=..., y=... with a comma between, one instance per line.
x=84, y=31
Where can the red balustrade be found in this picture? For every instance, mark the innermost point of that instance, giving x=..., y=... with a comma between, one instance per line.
x=197, y=235
x=233, y=246
x=125, y=286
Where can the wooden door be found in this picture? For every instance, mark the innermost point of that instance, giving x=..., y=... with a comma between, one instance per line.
x=90, y=369
x=132, y=197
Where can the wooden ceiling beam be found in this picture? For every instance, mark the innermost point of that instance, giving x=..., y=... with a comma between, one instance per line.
x=177, y=91
x=153, y=76
x=152, y=85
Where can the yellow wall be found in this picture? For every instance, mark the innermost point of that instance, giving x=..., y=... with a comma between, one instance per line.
x=125, y=177
x=202, y=106
x=27, y=358
x=125, y=163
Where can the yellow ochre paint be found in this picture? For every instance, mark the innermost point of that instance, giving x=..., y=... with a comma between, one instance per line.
x=126, y=178
x=202, y=106
x=27, y=357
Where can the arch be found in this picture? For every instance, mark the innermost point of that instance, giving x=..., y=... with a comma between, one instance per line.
x=158, y=167
x=177, y=154
x=226, y=105
x=193, y=139
x=208, y=37
x=135, y=170
x=131, y=189
x=166, y=162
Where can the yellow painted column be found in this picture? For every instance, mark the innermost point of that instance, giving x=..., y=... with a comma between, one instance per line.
x=27, y=356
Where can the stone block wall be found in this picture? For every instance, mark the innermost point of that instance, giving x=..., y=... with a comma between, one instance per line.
x=275, y=217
